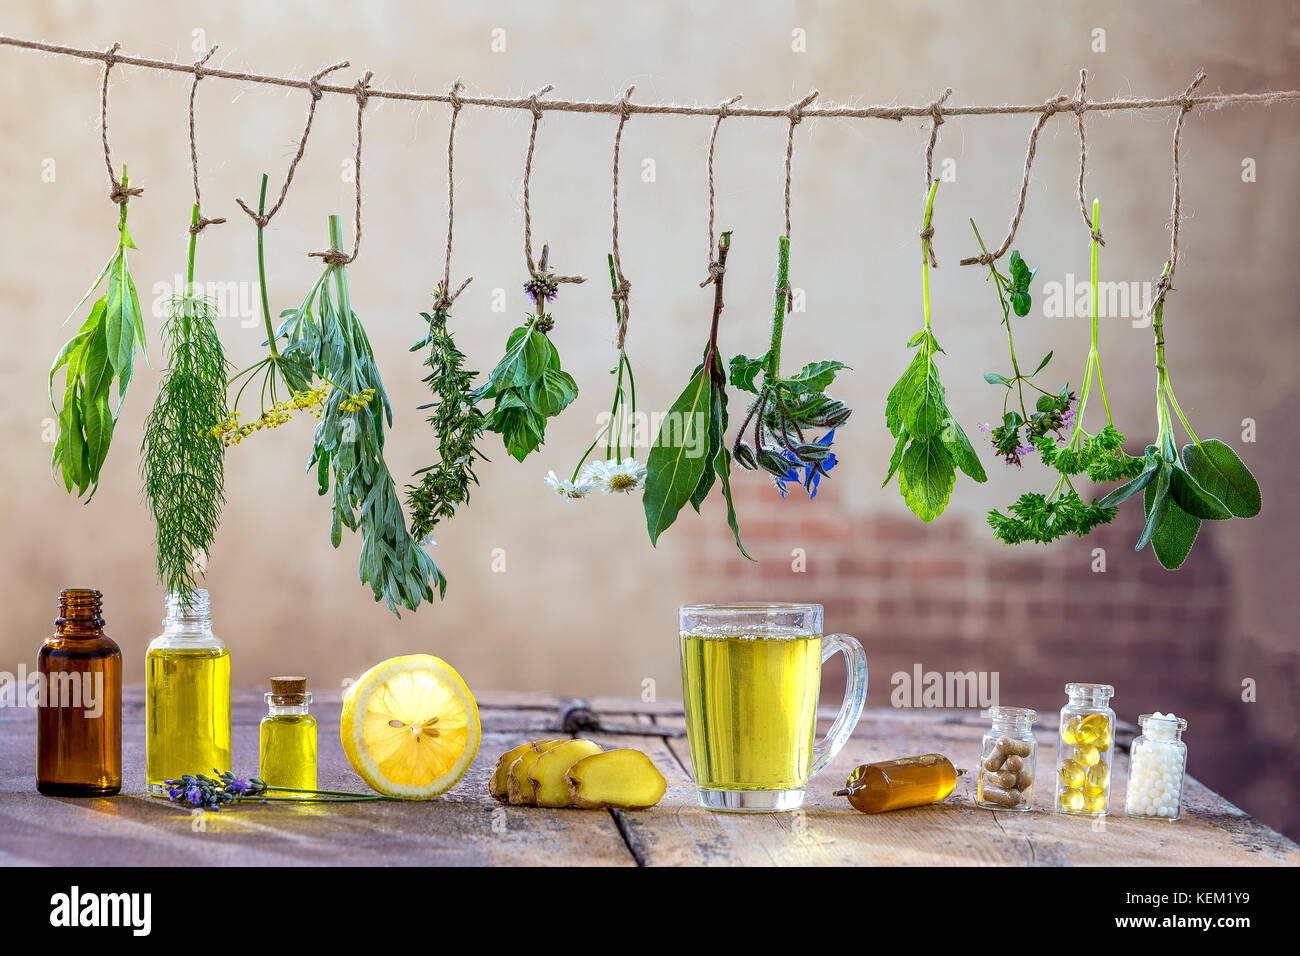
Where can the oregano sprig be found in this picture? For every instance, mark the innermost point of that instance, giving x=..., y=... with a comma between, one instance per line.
x=102, y=351
x=690, y=454
x=930, y=445
x=785, y=408
x=182, y=460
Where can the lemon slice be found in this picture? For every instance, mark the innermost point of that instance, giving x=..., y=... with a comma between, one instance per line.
x=410, y=727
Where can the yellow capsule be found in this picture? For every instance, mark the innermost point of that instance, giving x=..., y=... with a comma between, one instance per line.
x=1103, y=741
x=1072, y=800
x=1071, y=774
x=1070, y=731
x=1092, y=727
x=1087, y=754
x=1098, y=777
x=1094, y=802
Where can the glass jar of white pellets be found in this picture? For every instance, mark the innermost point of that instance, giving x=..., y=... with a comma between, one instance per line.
x=1158, y=760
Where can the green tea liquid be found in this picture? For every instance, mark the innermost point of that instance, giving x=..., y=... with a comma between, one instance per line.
x=751, y=708
x=187, y=713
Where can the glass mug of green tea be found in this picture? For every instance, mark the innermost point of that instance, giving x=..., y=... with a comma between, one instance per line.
x=751, y=677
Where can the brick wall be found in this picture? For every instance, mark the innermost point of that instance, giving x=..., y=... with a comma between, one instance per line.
x=948, y=597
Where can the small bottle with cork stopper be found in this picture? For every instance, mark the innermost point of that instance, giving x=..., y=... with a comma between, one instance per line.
x=288, y=737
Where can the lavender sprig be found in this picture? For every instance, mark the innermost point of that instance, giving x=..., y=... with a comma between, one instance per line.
x=225, y=789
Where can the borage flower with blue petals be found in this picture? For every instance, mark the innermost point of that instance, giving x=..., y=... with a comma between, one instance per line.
x=813, y=470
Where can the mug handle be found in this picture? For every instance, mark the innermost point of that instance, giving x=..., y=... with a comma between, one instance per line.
x=855, y=697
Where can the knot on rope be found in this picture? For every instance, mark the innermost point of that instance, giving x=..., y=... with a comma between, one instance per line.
x=110, y=56
x=1096, y=236
x=361, y=90
x=120, y=195
x=620, y=294
x=936, y=108
x=533, y=103
x=1055, y=105
x=332, y=257
x=724, y=108
x=625, y=104
x=795, y=112
x=203, y=222
x=716, y=271
x=453, y=95
x=443, y=301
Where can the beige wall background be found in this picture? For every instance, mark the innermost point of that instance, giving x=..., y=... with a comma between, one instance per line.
x=585, y=605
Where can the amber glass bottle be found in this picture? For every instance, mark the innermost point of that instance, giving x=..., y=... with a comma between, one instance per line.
x=79, y=717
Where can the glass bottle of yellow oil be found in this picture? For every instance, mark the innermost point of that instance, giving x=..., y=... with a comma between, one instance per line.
x=187, y=695
x=287, y=756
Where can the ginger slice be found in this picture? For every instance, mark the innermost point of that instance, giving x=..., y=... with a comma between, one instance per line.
x=500, y=774
x=626, y=779
x=547, y=773
x=519, y=788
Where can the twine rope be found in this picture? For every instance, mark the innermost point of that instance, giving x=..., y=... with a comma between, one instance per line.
x=445, y=297
x=115, y=193
x=1049, y=109
x=936, y=120
x=795, y=112
x=1187, y=103
x=1081, y=107
x=534, y=104
x=202, y=222
x=716, y=268
x=317, y=91
x=336, y=257
x=623, y=287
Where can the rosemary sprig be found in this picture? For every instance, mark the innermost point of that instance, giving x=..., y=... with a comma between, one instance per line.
x=103, y=350
x=349, y=440
x=457, y=422
x=182, y=461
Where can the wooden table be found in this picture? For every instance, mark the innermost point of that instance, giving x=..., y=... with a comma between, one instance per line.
x=467, y=827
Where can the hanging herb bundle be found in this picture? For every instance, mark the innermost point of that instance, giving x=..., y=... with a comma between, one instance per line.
x=1207, y=482
x=103, y=350
x=349, y=440
x=783, y=408
x=689, y=453
x=182, y=459
x=1062, y=511
x=457, y=422
x=931, y=445
x=615, y=472
x=528, y=386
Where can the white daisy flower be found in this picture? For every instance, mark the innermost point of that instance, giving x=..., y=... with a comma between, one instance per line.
x=610, y=476
x=569, y=489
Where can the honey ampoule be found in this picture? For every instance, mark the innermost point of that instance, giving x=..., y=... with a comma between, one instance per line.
x=904, y=782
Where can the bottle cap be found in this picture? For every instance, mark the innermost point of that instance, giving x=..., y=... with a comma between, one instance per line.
x=288, y=686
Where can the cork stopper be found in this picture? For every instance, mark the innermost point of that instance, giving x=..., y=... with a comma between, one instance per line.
x=288, y=686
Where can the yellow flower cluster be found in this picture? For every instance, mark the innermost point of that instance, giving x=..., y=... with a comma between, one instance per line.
x=231, y=432
x=354, y=403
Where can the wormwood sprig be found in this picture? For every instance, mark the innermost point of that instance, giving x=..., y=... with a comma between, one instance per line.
x=615, y=472
x=1062, y=511
x=931, y=445
x=103, y=350
x=528, y=386
x=1208, y=481
x=457, y=422
x=689, y=453
x=182, y=461
x=224, y=789
x=326, y=335
x=783, y=408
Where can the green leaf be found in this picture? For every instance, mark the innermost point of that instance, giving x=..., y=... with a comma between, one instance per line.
x=97, y=370
x=722, y=462
x=813, y=377
x=1130, y=488
x=959, y=446
x=1043, y=364
x=917, y=399
x=528, y=355
x=98, y=423
x=926, y=477
x=1156, y=505
x=896, y=458
x=1193, y=498
x=1220, y=472
x=553, y=392
x=745, y=370
x=119, y=322
x=679, y=455
x=1173, y=539
x=994, y=378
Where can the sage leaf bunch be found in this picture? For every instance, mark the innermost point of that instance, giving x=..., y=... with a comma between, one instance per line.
x=101, y=353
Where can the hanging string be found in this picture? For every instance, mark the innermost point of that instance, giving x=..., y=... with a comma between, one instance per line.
x=716, y=269
x=116, y=193
x=1050, y=108
x=1165, y=283
x=335, y=257
x=796, y=116
x=533, y=267
x=202, y=222
x=1081, y=107
x=316, y=91
x=624, y=288
x=936, y=120
x=446, y=298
